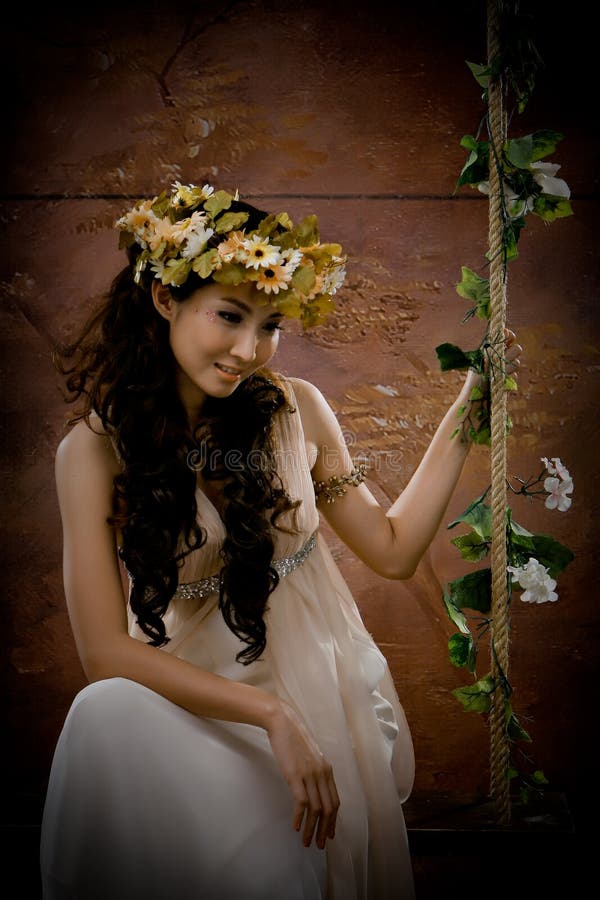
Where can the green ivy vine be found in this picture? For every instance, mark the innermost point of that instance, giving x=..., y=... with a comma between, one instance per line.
x=530, y=187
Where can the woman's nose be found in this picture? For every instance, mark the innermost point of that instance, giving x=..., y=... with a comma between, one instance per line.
x=244, y=346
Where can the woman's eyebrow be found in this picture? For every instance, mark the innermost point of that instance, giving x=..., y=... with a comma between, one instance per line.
x=244, y=306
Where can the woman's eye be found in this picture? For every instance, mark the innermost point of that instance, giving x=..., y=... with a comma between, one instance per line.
x=272, y=326
x=230, y=316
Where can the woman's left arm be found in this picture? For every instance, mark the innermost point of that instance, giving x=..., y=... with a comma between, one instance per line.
x=390, y=542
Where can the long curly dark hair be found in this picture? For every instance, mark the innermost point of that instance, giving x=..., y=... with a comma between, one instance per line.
x=121, y=367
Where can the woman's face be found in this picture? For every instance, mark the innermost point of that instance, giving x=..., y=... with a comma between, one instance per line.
x=219, y=336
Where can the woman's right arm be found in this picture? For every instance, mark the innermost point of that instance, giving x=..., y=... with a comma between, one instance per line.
x=85, y=469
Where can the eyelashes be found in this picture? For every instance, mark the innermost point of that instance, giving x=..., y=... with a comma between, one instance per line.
x=234, y=318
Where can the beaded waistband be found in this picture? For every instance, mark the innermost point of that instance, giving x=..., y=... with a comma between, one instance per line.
x=199, y=590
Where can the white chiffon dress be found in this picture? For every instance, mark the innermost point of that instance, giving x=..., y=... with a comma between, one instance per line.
x=148, y=802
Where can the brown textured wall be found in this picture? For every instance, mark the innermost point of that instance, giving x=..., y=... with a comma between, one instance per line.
x=356, y=114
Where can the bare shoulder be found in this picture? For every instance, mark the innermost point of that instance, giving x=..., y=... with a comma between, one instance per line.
x=87, y=450
x=310, y=398
x=319, y=422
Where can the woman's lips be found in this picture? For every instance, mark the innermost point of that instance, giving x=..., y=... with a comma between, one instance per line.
x=228, y=372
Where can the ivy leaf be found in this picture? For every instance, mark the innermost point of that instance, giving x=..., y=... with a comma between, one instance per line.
x=452, y=357
x=463, y=651
x=515, y=527
x=478, y=515
x=476, y=168
x=539, y=777
x=473, y=287
x=471, y=547
x=472, y=591
x=512, y=233
x=519, y=151
x=455, y=614
x=514, y=729
x=476, y=697
x=550, y=208
x=481, y=73
x=551, y=554
x=544, y=143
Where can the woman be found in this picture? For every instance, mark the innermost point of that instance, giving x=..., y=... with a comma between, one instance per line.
x=240, y=736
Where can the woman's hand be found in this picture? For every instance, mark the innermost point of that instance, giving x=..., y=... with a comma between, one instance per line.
x=512, y=362
x=308, y=774
x=512, y=353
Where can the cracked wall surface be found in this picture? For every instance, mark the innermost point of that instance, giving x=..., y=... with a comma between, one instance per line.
x=356, y=117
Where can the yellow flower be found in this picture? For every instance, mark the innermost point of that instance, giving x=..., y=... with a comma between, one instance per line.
x=228, y=250
x=317, y=288
x=273, y=279
x=189, y=194
x=162, y=232
x=258, y=252
x=334, y=275
x=180, y=230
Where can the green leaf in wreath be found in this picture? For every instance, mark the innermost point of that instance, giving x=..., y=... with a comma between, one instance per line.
x=229, y=221
x=206, y=263
x=539, y=777
x=473, y=591
x=219, y=201
x=476, y=697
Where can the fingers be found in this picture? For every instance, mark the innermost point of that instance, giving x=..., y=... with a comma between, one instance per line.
x=317, y=803
x=512, y=351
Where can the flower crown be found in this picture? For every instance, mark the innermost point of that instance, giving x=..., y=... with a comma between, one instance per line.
x=191, y=230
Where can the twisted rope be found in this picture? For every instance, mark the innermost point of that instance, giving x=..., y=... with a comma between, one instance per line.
x=499, y=747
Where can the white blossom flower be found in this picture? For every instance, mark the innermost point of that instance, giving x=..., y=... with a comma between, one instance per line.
x=557, y=491
x=334, y=277
x=515, y=205
x=291, y=259
x=535, y=581
x=543, y=174
x=196, y=242
x=555, y=467
x=557, y=488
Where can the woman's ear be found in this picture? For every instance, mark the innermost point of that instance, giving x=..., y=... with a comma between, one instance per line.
x=162, y=299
